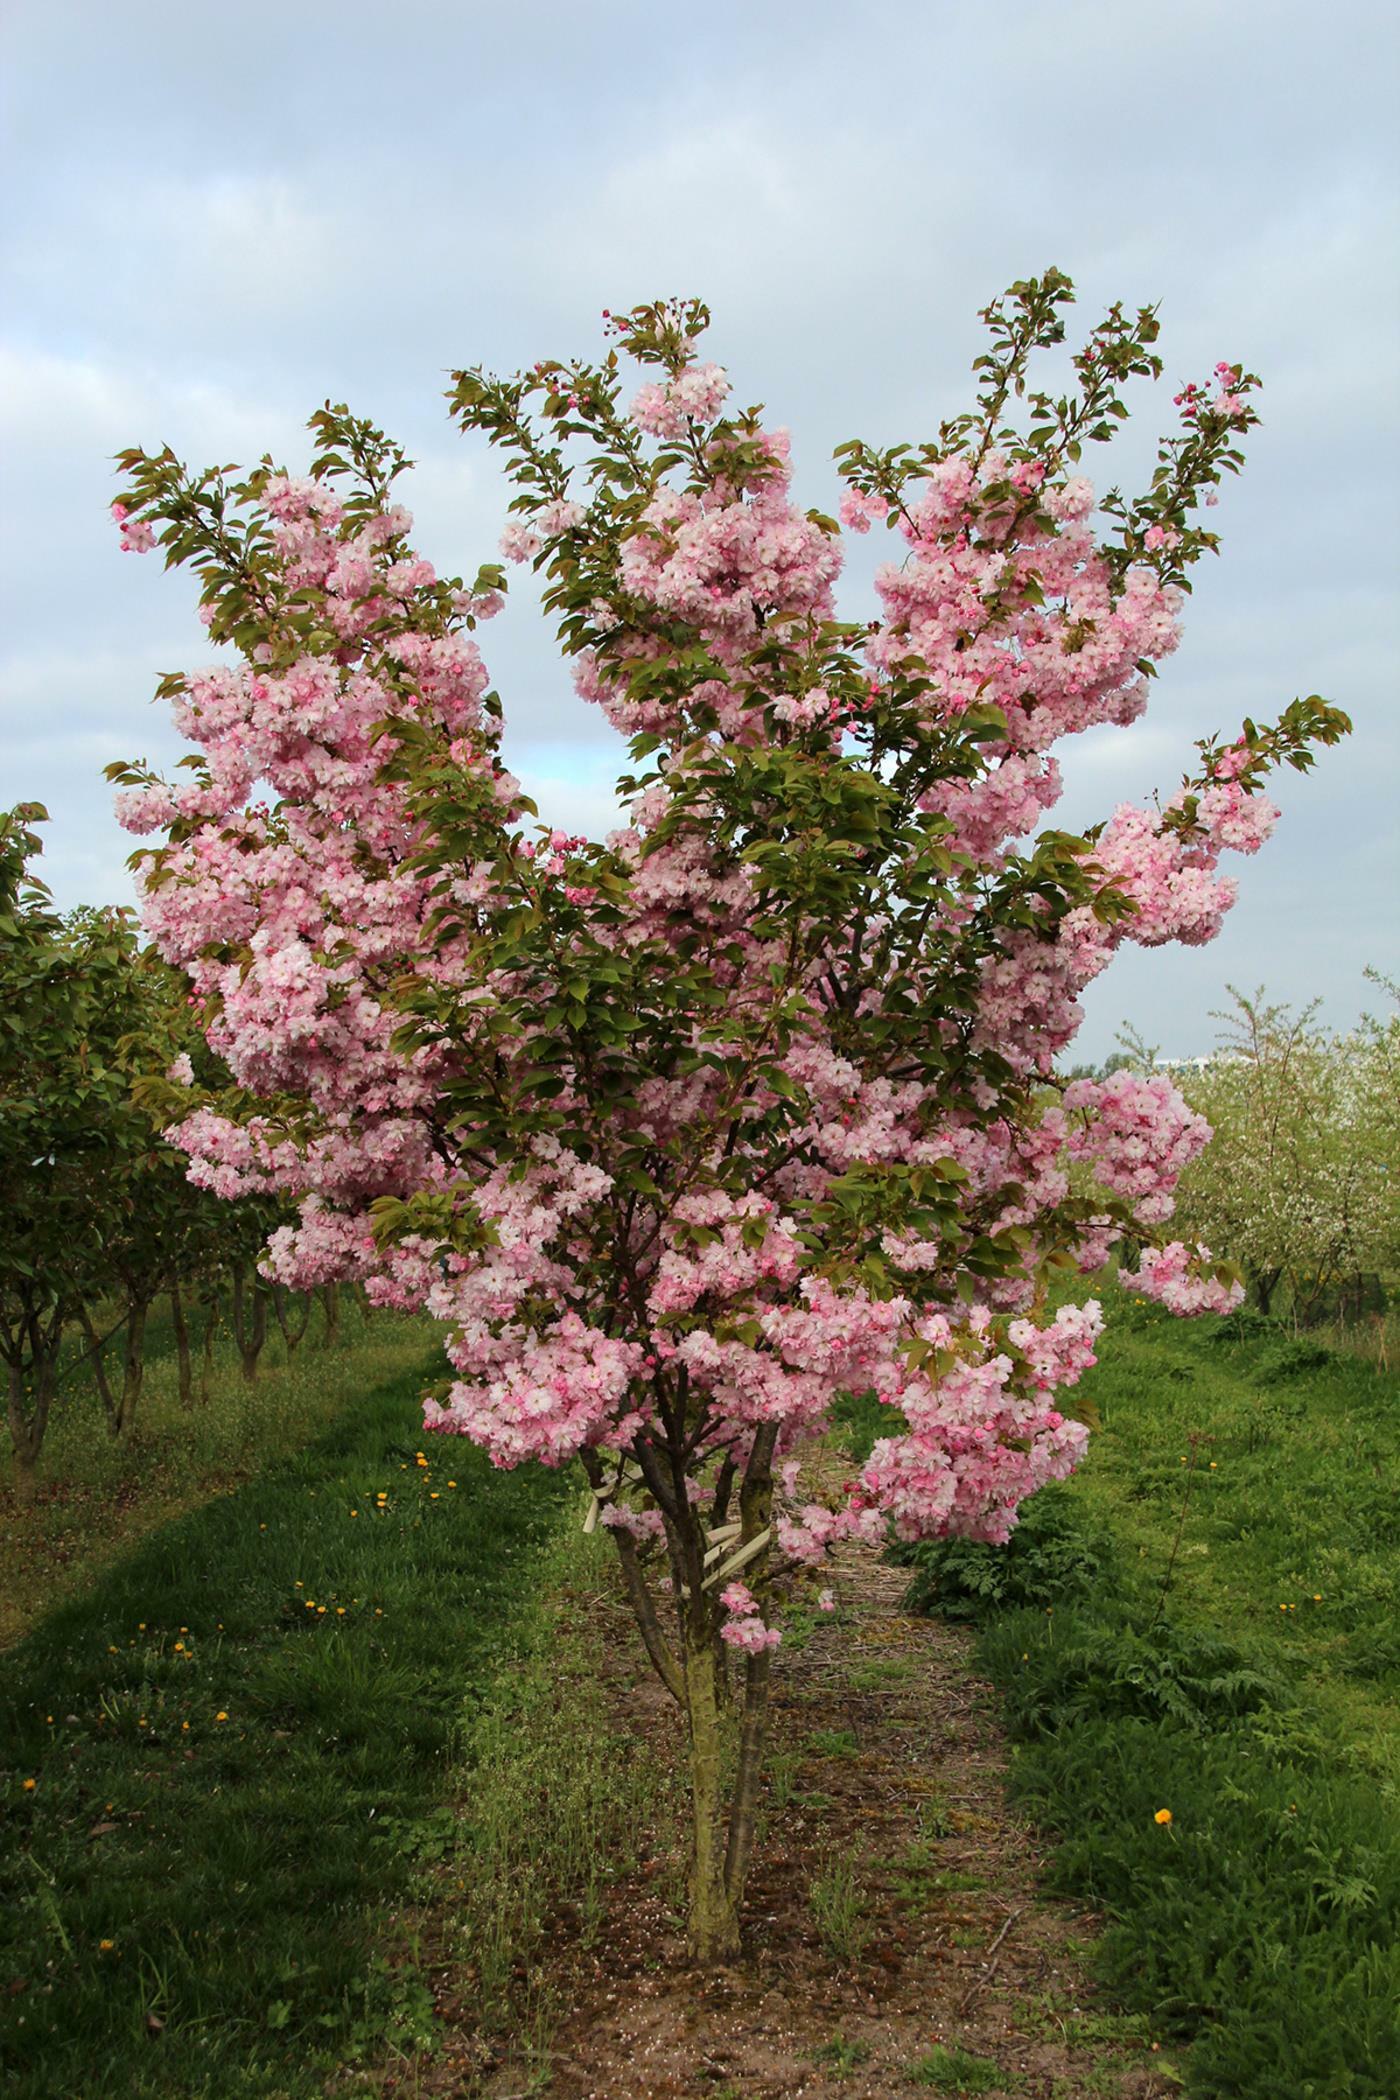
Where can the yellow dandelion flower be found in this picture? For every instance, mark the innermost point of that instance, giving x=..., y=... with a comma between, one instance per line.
x=1163, y=1815
x=221, y=1715
x=1317, y=1596
x=105, y=1946
x=29, y=1785
x=179, y=1647
x=184, y=1728
x=340, y=1611
x=452, y=1483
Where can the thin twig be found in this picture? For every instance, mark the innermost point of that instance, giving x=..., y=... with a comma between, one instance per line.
x=989, y=1971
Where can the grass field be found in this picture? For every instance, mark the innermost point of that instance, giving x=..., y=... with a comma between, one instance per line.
x=218, y=1759
x=305, y=1723
x=99, y=1496
x=1197, y=1644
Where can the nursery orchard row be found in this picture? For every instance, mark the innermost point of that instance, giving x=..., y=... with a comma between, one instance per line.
x=99, y=1220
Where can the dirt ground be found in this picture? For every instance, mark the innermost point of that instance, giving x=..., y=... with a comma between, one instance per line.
x=895, y=1945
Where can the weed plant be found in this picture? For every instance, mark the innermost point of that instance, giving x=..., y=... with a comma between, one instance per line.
x=840, y=1910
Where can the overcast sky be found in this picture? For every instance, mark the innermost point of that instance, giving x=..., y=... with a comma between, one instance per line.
x=218, y=217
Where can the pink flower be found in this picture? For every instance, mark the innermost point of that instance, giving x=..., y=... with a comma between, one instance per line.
x=137, y=536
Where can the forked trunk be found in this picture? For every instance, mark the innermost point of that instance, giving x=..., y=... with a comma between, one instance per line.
x=27, y=1425
x=292, y=1328
x=119, y=1406
x=249, y=1321
x=700, y=1550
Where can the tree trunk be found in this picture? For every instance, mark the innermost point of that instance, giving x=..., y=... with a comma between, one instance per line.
x=97, y=1356
x=210, y=1300
x=27, y=1428
x=753, y=1736
x=133, y=1365
x=249, y=1321
x=330, y=1306
x=696, y=1675
x=120, y=1408
x=1266, y=1282
x=182, y=1346
x=714, y=1912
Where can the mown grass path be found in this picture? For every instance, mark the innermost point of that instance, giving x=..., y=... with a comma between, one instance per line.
x=209, y=1762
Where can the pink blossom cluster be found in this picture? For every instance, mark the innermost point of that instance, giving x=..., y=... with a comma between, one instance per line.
x=1171, y=1275
x=731, y=561
x=1138, y=1134
x=137, y=536
x=981, y=1436
x=694, y=395
x=743, y=1625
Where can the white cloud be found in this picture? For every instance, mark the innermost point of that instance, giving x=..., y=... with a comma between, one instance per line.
x=460, y=191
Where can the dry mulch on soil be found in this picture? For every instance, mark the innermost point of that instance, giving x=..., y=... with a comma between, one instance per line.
x=891, y=1912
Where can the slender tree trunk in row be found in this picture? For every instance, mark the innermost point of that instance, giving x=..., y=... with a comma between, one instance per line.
x=292, y=1330
x=1266, y=1282
x=211, y=1300
x=29, y=1401
x=330, y=1305
x=183, y=1360
x=249, y=1321
x=120, y=1407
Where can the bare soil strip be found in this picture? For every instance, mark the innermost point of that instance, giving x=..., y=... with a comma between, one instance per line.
x=895, y=1942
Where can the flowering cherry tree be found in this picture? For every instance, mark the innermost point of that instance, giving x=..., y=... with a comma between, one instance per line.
x=685, y=1134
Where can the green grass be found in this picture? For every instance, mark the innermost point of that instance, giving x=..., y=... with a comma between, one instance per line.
x=561, y=1802
x=958, y=2071
x=1219, y=1638
x=840, y=1910
x=193, y=1905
